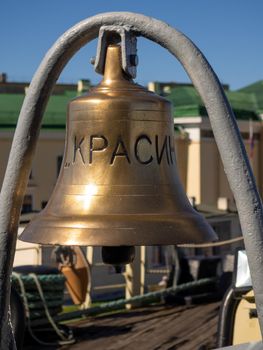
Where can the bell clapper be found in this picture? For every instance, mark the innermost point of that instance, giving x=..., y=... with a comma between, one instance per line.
x=118, y=256
x=119, y=268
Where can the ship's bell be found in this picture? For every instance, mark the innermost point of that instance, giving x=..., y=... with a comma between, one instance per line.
x=118, y=185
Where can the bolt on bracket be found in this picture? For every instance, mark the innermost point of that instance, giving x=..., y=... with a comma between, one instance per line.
x=124, y=36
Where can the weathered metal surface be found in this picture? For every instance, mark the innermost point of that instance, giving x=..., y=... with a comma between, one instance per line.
x=223, y=123
x=119, y=184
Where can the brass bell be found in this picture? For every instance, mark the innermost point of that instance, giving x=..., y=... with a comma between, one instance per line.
x=118, y=185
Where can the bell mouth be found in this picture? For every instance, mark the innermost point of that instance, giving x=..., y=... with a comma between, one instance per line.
x=119, y=230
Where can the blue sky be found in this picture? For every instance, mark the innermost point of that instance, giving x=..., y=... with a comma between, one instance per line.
x=228, y=32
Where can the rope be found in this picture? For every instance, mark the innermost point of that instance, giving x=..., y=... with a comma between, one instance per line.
x=65, y=339
x=119, y=304
x=213, y=244
x=26, y=306
x=23, y=293
x=50, y=283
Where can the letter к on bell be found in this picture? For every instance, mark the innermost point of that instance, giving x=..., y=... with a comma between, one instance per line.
x=118, y=184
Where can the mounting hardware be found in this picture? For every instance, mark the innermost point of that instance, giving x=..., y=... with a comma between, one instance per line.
x=124, y=36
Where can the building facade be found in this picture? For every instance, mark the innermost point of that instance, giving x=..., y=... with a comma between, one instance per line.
x=198, y=160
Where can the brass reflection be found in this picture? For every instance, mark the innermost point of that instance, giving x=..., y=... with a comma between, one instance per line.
x=118, y=185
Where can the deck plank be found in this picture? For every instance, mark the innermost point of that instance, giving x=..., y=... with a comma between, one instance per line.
x=152, y=328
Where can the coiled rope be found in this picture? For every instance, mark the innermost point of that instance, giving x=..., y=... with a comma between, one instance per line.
x=65, y=338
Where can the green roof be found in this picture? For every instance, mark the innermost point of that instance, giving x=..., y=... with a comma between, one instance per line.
x=187, y=102
x=257, y=90
x=242, y=101
x=54, y=117
x=184, y=96
x=10, y=105
x=247, y=103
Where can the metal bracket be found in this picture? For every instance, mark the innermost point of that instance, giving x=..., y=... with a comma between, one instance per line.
x=124, y=36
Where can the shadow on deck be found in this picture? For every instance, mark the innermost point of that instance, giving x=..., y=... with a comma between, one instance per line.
x=151, y=328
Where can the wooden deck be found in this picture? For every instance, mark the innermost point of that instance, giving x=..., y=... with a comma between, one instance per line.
x=152, y=328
